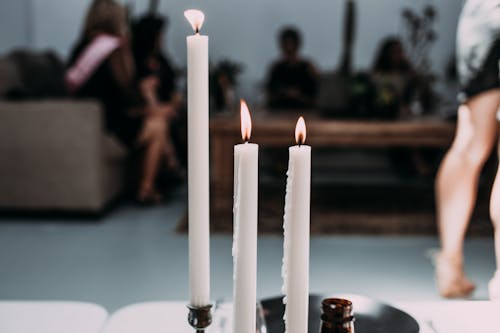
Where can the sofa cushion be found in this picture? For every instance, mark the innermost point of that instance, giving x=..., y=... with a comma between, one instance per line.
x=9, y=77
x=41, y=75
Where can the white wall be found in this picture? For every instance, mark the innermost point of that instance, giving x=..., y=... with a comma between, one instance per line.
x=14, y=24
x=245, y=31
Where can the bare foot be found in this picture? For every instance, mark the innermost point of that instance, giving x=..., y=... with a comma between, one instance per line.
x=147, y=195
x=450, y=277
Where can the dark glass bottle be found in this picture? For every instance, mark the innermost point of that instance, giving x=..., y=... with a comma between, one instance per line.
x=336, y=316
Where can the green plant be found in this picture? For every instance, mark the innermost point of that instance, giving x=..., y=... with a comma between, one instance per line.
x=418, y=36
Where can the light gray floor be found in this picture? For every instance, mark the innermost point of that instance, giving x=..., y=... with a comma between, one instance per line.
x=134, y=255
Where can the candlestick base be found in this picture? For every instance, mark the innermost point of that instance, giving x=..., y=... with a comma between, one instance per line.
x=200, y=317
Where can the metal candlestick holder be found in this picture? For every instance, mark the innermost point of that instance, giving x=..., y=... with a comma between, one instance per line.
x=200, y=317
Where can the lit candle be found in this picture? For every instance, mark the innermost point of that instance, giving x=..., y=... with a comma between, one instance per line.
x=295, y=270
x=198, y=162
x=246, y=158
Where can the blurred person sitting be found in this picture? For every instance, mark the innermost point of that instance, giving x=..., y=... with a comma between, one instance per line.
x=405, y=88
x=292, y=81
x=393, y=75
x=396, y=85
x=101, y=66
x=154, y=67
x=223, y=85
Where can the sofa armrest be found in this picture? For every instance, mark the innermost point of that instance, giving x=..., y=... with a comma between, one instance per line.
x=51, y=154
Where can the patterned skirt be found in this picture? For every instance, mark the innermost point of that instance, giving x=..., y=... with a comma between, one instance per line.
x=478, y=47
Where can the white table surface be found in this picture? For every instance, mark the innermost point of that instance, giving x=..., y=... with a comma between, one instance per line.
x=456, y=316
x=446, y=317
x=51, y=317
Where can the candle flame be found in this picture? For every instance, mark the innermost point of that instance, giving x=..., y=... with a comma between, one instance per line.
x=300, y=131
x=196, y=18
x=246, y=121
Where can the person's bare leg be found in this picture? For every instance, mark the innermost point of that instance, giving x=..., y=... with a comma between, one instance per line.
x=494, y=285
x=154, y=150
x=170, y=152
x=456, y=188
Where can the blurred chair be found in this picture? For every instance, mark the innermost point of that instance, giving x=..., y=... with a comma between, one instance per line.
x=56, y=156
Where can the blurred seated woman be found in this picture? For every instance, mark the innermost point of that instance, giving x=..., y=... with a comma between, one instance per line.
x=401, y=86
x=393, y=74
x=397, y=86
x=102, y=67
x=153, y=66
x=293, y=81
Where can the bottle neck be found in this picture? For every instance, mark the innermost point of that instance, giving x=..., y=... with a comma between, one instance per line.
x=336, y=316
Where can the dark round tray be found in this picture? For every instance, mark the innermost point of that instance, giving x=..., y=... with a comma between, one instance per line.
x=370, y=316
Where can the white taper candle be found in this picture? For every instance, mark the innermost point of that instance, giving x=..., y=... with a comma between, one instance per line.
x=246, y=160
x=198, y=162
x=296, y=225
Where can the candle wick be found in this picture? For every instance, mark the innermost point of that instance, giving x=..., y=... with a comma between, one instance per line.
x=197, y=31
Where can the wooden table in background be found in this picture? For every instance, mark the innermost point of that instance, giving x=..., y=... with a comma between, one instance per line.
x=278, y=130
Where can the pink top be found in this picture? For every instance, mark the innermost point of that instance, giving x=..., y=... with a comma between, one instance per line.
x=91, y=58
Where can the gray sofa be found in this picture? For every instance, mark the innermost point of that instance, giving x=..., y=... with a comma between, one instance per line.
x=55, y=155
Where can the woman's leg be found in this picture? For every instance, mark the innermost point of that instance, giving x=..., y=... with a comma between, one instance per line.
x=456, y=187
x=153, y=140
x=494, y=285
x=170, y=151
